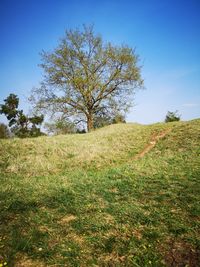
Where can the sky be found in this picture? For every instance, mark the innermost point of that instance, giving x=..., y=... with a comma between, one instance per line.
x=165, y=34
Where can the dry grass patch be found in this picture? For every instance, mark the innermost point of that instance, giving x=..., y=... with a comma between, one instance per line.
x=109, y=219
x=24, y=261
x=76, y=238
x=137, y=233
x=67, y=219
x=113, y=259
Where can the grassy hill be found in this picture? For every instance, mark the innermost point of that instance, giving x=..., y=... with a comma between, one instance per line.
x=123, y=195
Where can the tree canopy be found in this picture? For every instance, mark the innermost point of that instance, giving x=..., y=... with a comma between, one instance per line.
x=60, y=126
x=20, y=124
x=85, y=77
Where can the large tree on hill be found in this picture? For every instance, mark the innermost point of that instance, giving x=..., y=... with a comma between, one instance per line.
x=84, y=76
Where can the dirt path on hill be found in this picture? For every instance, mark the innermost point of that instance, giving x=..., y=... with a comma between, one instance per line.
x=152, y=143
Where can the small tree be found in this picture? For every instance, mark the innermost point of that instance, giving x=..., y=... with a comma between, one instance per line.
x=4, y=131
x=20, y=124
x=172, y=116
x=84, y=76
x=60, y=126
x=101, y=120
x=119, y=118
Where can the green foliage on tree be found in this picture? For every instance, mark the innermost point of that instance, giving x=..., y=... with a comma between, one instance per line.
x=85, y=76
x=60, y=126
x=4, y=131
x=102, y=120
x=20, y=124
x=119, y=118
x=172, y=116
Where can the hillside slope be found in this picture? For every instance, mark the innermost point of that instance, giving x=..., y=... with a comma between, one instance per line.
x=124, y=195
x=101, y=148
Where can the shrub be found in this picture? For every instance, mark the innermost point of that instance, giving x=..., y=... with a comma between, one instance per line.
x=4, y=131
x=172, y=116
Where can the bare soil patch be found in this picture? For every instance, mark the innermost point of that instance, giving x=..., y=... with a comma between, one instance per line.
x=152, y=143
x=178, y=253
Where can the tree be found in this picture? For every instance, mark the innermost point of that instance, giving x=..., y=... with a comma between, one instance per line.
x=84, y=76
x=172, y=116
x=4, y=131
x=102, y=120
x=20, y=124
x=119, y=118
x=60, y=126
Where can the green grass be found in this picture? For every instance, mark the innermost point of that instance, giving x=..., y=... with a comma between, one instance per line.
x=84, y=200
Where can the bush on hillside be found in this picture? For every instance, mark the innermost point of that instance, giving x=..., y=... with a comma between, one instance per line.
x=4, y=131
x=102, y=119
x=172, y=116
x=119, y=118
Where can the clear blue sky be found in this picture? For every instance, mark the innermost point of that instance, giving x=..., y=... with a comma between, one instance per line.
x=166, y=34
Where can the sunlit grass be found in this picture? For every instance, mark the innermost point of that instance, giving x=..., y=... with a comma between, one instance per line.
x=53, y=155
x=97, y=206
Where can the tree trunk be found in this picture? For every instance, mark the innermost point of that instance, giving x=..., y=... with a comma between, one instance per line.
x=90, y=122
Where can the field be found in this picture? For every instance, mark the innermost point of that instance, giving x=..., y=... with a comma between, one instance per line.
x=123, y=195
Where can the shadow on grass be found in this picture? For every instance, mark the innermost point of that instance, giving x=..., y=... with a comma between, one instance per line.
x=26, y=223
x=115, y=217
